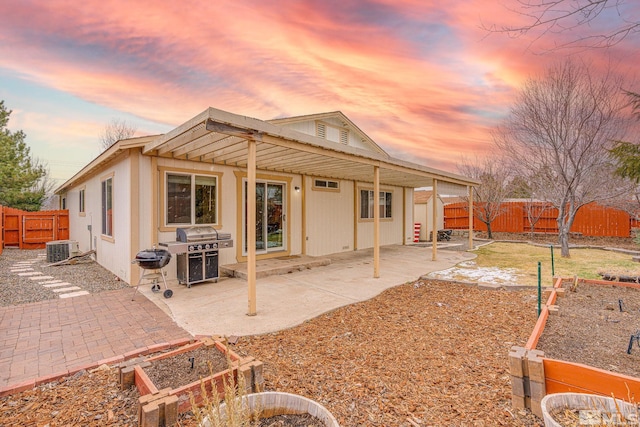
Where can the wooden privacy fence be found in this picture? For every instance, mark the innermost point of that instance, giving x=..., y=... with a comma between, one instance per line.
x=32, y=230
x=591, y=220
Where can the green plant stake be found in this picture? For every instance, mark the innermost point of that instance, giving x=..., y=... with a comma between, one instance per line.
x=539, y=289
x=553, y=268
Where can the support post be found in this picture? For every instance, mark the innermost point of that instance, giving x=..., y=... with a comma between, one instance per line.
x=251, y=226
x=470, y=217
x=303, y=207
x=434, y=221
x=376, y=222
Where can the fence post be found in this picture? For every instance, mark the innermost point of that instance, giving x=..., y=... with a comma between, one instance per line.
x=1, y=228
x=539, y=289
x=21, y=231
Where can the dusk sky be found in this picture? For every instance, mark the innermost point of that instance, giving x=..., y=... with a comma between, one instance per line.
x=420, y=77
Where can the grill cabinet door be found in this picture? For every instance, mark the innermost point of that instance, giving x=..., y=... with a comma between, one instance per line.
x=195, y=267
x=211, y=265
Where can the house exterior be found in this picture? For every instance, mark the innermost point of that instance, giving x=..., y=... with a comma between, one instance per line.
x=314, y=179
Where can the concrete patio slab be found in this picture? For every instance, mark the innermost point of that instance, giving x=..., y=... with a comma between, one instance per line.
x=286, y=300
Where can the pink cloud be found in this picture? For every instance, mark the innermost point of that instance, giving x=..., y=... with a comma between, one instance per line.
x=421, y=78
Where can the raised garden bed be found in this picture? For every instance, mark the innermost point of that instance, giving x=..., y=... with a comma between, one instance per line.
x=593, y=326
x=168, y=382
x=580, y=344
x=187, y=367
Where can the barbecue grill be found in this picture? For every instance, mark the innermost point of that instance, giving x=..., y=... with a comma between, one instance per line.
x=197, y=253
x=152, y=262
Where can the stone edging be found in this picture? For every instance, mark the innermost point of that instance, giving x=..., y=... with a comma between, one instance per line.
x=546, y=245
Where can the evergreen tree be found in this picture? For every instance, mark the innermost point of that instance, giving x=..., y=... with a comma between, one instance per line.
x=626, y=153
x=22, y=178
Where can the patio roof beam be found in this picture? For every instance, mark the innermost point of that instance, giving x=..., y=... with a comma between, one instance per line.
x=202, y=142
x=220, y=127
x=183, y=139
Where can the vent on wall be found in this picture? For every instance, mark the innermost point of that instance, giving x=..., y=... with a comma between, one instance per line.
x=344, y=137
x=59, y=250
x=321, y=130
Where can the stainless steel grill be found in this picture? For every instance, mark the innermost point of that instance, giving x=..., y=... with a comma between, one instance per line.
x=197, y=253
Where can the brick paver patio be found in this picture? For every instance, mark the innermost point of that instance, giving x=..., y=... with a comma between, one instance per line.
x=55, y=337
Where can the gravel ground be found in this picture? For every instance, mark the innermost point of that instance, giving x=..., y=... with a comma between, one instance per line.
x=88, y=275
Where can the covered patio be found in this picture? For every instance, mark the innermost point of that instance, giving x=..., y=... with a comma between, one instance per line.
x=220, y=137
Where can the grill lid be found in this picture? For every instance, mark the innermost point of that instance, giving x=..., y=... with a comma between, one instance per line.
x=153, y=258
x=196, y=234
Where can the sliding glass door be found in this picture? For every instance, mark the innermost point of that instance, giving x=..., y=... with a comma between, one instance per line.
x=270, y=217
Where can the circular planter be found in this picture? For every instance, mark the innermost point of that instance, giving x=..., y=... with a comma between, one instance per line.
x=600, y=406
x=272, y=403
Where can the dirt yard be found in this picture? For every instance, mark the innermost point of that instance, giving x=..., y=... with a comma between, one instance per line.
x=428, y=353
x=424, y=353
x=594, y=326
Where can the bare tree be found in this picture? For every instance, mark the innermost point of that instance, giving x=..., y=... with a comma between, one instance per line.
x=558, y=134
x=535, y=210
x=489, y=196
x=116, y=130
x=568, y=16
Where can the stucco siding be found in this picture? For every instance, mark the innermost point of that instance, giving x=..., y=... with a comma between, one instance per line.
x=390, y=229
x=113, y=252
x=145, y=208
x=329, y=219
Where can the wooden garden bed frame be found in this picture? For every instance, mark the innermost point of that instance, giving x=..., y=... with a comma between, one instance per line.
x=533, y=376
x=161, y=407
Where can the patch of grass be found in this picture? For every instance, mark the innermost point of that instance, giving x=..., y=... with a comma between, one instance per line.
x=585, y=263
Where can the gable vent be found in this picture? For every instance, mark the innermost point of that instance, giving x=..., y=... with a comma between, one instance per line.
x=344, y=137
x=321, y=130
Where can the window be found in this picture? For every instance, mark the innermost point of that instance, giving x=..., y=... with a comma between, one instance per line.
x=191, y=199
x=367, y=204
x=81, y=201
x=323, y=183
x=107, y=207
